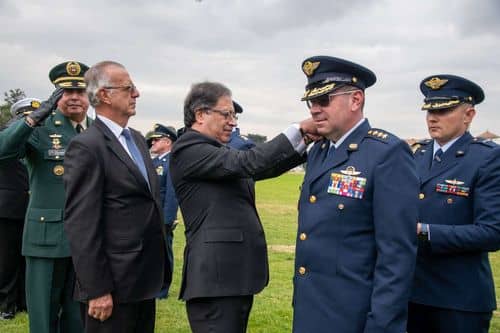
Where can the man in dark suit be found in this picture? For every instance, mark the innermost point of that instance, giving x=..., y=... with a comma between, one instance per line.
x=160, y=143
x=356, y=242
x=113, y=215
x=13, y=203
x=225, y=259
x=453, y=290
x=41, y=139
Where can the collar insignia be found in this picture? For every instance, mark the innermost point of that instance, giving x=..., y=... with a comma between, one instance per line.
x=310, y=67
x=435, y=83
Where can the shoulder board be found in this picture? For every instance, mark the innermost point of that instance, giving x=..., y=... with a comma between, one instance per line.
x=419, y=144
x=486, y=142
x=378, y=134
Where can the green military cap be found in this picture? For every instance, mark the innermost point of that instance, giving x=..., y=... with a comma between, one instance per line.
x=69, y=75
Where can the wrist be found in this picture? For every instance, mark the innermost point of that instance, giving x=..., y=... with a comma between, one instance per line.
x=30, y=122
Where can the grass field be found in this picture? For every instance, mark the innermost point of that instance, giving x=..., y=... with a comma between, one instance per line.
x=272, y=311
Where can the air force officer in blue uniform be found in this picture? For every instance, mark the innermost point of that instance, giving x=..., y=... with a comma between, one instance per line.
x=356, y=242
x=160, y=143
x=459, y=224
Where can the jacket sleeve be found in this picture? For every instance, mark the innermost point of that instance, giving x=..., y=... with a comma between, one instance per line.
x=395, y=214
x=84, y=183
x=14, y=139
x=483, y=234
x=202, y=160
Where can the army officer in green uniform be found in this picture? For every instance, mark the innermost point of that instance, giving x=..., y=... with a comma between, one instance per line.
x=41, y=139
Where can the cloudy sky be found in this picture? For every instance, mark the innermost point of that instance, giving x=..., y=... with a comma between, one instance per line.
x=256, y=49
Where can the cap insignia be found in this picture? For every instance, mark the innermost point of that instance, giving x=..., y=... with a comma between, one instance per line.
x=435, y=83
x=309, y=67
x=73, y=68
x=354, y=79
x=35, y=104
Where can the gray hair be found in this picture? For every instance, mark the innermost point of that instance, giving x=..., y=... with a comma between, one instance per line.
x=203, y=95
x=97, y=77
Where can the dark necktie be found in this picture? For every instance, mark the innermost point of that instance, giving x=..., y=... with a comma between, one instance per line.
x=329, y=154
x=437, y=158
x=79, y=128
x=136, y=155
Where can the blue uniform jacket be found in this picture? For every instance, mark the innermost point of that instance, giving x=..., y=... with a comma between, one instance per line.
x=239, y=142
x=356, y=246
x=167, y=193
x=460, y=200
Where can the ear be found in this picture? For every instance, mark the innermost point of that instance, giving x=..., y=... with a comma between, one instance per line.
x=469, y=114
x=357, y=99
x=199, y=116
x=104, y=96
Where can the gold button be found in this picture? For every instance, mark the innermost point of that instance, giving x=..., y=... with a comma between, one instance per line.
x=302, y=270
x=450, y=200
x=303, y=236
x=341, y=206
x=42, y=218
x=312, y=199
x=421, y=196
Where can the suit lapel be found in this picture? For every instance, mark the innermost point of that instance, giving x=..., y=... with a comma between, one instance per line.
x=117, y=149
x=449, y=159
x=340, y=155
x=141, y=145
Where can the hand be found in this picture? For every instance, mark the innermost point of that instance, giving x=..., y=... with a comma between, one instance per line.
x=309, y=131
x=39, y=115
x=101, y=307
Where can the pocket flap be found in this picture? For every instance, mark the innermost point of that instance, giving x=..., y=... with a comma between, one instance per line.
x=45, y=215
x=223, y=235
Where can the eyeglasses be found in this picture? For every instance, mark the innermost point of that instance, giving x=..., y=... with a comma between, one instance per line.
x=324, y=100
x=129, y=88
x=225, y=114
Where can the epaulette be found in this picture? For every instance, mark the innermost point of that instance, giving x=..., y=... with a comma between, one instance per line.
x=419, y=144
x=487, y=142
x=378, y=134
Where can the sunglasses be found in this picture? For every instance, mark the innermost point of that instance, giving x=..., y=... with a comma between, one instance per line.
x=324, y=100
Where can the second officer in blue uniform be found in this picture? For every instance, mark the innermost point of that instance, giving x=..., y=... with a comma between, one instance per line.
x=459, y=214
x=356, y=242
x=160, y=143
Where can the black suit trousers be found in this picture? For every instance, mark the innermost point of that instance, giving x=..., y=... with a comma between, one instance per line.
x=219, y=314
x=135, y=317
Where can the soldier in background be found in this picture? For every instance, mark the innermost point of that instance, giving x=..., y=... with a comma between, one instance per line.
x=41, y=139
x=14, y=198
x=237, y=140
x=160, y=143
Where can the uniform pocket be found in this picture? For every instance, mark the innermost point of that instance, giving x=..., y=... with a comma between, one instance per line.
x=44, y=226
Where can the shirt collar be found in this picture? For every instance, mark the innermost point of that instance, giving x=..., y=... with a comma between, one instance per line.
x=342, y=139
x=113, y=127
x=444, y=147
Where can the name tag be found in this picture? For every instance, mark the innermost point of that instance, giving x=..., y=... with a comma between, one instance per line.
x=347, y=185
x=56, y=152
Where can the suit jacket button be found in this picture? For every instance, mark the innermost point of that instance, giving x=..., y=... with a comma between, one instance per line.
x=340, y=206
x=303, y=236
x=421, y=196
x=302, y=270
x=312, y=199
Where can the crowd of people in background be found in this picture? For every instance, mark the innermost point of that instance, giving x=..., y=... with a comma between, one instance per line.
x=390, y=238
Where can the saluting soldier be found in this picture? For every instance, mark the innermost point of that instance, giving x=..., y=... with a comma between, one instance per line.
x=13, y=203
x=160, y=143
x=41, y=138
x=459, y=211
x=356, y=241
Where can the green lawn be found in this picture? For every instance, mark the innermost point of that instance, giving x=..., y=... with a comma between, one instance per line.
x=272, y=311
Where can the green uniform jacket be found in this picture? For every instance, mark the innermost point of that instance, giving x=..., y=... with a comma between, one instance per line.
x=43, y=148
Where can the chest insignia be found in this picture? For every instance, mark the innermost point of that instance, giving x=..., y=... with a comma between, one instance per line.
x=347, y=184
x=58, y=170
x=159, y=170
x=453, y=187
